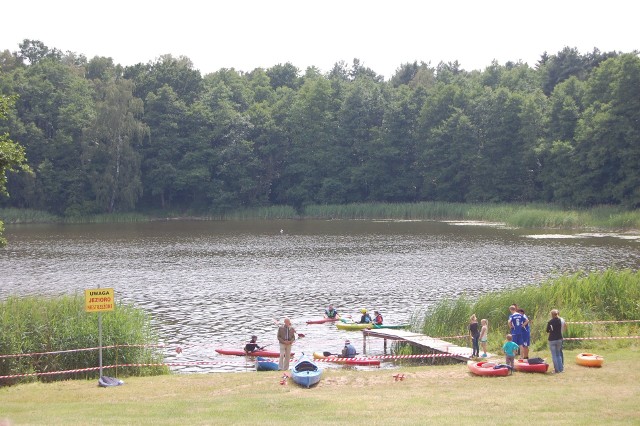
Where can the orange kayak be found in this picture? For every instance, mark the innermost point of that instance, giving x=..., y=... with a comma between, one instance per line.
x=589, y=360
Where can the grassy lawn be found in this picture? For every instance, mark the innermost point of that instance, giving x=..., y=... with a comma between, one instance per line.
x=427, y=395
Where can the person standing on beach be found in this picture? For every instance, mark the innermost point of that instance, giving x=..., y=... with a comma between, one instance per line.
x=526, y=334
x=515, y=325
x=484, y=333
x=475, y=335
x=286, y=337
x=554, y=328
x=510, y=349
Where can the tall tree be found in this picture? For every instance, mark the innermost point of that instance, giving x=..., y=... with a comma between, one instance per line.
x=12, y=157
x=608, y=135
x=111, y=146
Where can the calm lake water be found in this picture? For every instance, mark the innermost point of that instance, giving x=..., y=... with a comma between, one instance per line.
x=212, y=284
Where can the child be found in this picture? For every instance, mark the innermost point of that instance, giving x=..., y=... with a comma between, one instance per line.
x=484, y=332
x=510, y=349
x=252, y=346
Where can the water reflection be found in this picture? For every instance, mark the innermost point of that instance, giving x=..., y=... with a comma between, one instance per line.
x=213, y=284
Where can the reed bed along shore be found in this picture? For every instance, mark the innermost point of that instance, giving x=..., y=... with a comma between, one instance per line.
x=516, y=215
x=610, y=295
x=38, y=324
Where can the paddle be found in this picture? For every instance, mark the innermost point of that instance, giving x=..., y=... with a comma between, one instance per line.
x=330, y=354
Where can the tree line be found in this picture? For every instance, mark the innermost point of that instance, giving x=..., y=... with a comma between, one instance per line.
x=100, y=137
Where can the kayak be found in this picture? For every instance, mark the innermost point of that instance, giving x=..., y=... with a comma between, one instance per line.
x=268, y=354
x=323, y=320
x=393, y=326
x=523, y=365
x=353, y=326
x=359, y=326
x=265, y=364
x=484, y=368
x=305, y=372
x=347, y=361
x=589, y=360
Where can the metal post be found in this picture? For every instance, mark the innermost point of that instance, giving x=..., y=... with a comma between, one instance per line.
x=100, y=340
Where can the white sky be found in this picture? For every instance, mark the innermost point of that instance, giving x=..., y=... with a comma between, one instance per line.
x=383, y=34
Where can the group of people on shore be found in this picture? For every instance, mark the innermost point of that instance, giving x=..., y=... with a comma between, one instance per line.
x=287, y=335
x=518, y=340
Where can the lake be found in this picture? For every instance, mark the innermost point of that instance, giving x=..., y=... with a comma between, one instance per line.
x=212, y=284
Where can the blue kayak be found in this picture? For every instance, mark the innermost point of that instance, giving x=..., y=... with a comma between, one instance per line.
x=306, y=372
x=265, y=364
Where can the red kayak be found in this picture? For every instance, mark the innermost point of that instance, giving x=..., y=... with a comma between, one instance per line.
x=323, y=320
x=523, y=365
x=484, y=368
x=268, y=354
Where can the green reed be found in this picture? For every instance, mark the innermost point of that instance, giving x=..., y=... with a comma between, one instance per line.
x=12, y=215
x=536, y=215
x=597, y=296
x=39, y=324
x=108, y=218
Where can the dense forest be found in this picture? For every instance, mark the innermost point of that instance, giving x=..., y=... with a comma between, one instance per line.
x=100, y=137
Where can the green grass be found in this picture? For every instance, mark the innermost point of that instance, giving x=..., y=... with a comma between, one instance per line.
x=428, y=395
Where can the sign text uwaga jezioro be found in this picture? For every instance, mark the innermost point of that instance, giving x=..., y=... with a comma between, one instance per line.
x=99, y=300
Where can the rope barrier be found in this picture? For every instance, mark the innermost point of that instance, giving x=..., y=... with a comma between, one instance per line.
x=83, y=370
x=89, y=349
x=602, y=338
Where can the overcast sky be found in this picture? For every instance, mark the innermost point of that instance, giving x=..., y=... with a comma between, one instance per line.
x=382, y=34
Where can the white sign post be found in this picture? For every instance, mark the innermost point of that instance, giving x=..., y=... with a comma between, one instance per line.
x=99, y=300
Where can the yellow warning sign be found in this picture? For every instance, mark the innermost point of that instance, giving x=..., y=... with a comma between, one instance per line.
x=99, y=300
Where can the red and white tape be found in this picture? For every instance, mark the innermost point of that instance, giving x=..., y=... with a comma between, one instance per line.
x=82, y=350
x=601, y=322
x=602, y=338
x=83, y=370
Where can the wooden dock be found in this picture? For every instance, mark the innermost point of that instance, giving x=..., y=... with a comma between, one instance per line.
x=431, y=344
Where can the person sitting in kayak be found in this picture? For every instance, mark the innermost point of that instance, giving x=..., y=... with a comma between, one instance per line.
x=252, y=346
x=377, y=320
x=330, y=312
x=349, y=351
x=365, y=318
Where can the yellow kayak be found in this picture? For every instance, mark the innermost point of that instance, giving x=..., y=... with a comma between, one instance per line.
x=352, y=326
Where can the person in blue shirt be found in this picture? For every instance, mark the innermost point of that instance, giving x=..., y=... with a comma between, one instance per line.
x=510, y=349
x=365, y=318
x=349, y=351
x=515, y=325
x=526, y=334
